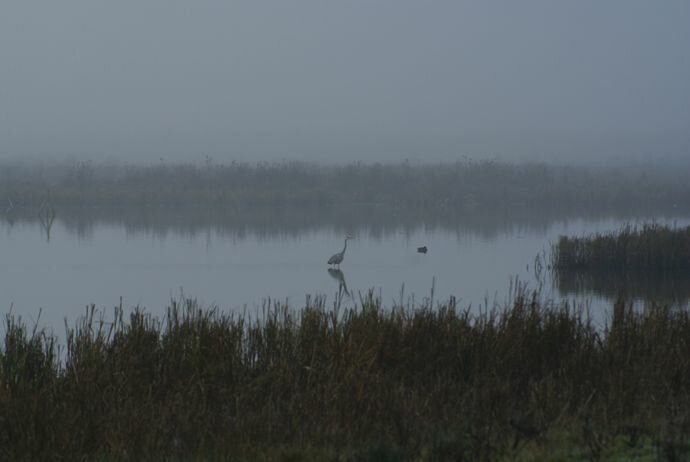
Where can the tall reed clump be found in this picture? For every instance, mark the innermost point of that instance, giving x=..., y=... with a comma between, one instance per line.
x=433, y=383
x=650, y=248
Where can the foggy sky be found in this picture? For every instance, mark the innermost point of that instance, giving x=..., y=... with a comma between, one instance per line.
x=338, y=81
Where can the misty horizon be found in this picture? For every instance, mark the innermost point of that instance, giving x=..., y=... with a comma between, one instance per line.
x=355, y=81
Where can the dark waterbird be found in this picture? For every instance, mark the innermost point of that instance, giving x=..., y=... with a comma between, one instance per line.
x=421, y=249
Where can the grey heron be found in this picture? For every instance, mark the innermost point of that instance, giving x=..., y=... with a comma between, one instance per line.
x=338, y=257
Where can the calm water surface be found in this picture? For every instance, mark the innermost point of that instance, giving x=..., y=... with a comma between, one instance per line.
x=61, y=276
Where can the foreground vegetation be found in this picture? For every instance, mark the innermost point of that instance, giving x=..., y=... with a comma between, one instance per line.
x=366, y=383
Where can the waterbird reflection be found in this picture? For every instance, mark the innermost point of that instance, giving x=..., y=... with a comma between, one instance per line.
x=340, y=277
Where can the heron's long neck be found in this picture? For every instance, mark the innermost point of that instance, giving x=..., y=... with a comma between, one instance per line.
x=344, y=248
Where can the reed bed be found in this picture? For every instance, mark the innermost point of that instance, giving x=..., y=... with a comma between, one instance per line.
x=465, y=185
x=650, y=248
x=365, y=383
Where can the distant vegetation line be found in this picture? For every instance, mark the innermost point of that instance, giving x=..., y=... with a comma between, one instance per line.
x=368, y=383
x=462, y=186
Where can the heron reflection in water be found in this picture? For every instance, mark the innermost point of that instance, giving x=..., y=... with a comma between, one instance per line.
x=340, y=277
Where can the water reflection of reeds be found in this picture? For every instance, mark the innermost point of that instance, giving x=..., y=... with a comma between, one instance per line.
x=666, y=286
x=376, y=221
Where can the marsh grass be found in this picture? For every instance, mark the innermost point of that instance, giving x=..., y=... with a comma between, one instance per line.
x=649, y=248
x=365, y=383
